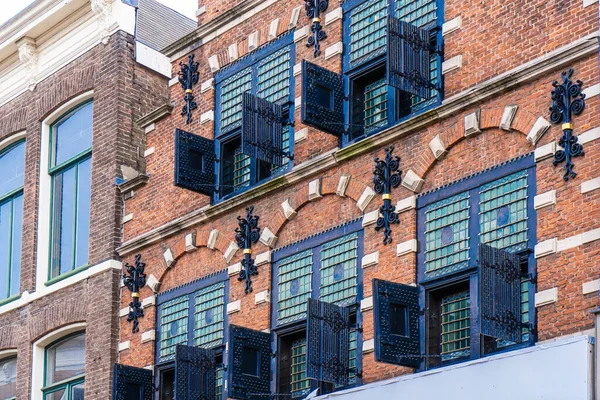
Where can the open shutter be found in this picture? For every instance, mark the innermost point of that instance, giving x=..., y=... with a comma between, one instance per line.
x=132, y=383
x=194, y=162
x=327, y=352
x=249, y=363
x=322, y=99
x=396, y=313
x=408, y=53
x=262, y=129
x=500, y=293
x=195, y=373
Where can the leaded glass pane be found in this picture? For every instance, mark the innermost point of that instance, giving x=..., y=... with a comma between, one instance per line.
x=232, y=90
x=375, y=105
x=367, y=31
x=173, y=326
x=456, y=323
x=209, y=315
x=300, y=383
x=352, y=343
x=12, y=165
x=339, y=270
x=273, y=77
x=219, y=387
x=8, y=378
x=294, y=286
x=241, y=169
x=416, y=12
x=447, y=235
x=503, y=212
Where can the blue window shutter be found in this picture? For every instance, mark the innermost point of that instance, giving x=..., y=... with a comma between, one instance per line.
x=408, y=61
x=322, y=99
x=194, y=162
x=130, y=383
x=328, y=334
x=396, y=313
x=262, y=129
x=249, y=363
x=500, y=293
x=195, y=373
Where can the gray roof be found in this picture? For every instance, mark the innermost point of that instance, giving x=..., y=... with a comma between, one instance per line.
x=158, y=25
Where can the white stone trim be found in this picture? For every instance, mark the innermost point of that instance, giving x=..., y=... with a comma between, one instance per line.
x=273, y=28
x=124, y=346
x=213, y=63
x=544, y=199
x=297, y=102
x=365, y=198
x=591, y=287
x=437, y=147
x=253, y=41
x=262, y=258
x=207, y=85
x=149, y=336
x=268, y=238
x=152, y=59
x=410, y=246
x=232, y=52
x=412, y=181
x=168, y=256
x=508, y=116
x=190, y=242
x=587, y=3
x=301, y=33
x=208, y=116
x=366, y=304
x=149, y=151
x=370, y=218
x=334, y=50
x=314, y=189
x=234, y=306
x=173, y=81
x=262, y=297
x=342, y=185
x=153, y=283
x=212, y=239
x=289, y=211
x=452, y=25
x=370, y=260
x=545, y=248
x=300, y=135
x=546, y=297
x=589, y=136
x=149, y=128
x=406, y=204
x=297, y=69
x=590, y=236
x=123, y=312
x=234, y=269
x=451, y=64
x=200, y=11
x=149, y=301
x=590, y=185
x=538, y=129
x=545, y=151
x=472, y=124
x=368, y=346
x=230, y=252
x=592, y=91
x=126, y=218
x=295, y=16
x=333, y=15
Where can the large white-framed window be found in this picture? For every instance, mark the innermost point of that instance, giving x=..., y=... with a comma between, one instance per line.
x=12, y=165
x=8, y=374
x=65, y=191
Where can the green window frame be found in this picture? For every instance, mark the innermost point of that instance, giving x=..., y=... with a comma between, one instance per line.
x=12, y=163
x=70, y=192
x=70, y=388
x=8, y=378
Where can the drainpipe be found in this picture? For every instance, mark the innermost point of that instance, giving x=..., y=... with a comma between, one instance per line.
x=595, y=378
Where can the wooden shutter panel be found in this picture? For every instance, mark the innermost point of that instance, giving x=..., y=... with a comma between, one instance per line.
x=249, y=363
x=500, y=293
x=194, y=162
x=262, y=129
x=396, y=313
x=130, y=383
x=195, y=373
x=408, y=54
x=322, y=99
x=328, y=332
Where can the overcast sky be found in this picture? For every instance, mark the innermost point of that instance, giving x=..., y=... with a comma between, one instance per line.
x=12, y=7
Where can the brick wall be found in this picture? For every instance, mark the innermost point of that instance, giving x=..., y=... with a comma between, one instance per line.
x=123, y=92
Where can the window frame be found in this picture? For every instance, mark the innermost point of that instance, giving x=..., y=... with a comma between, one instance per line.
x=297, y=326
x=56, y=170
x=351, y=73
x=66, y=384
x=189, y=289
x=7, y=357
x=470, y=274
x=251, y=61
x=11, y=197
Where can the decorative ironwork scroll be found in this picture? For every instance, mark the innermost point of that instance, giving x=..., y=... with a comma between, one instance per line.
x=188, y=77
x=246, y=235
x=134, y=281
x=385, y=177
x=314, y=8
x=567, y=100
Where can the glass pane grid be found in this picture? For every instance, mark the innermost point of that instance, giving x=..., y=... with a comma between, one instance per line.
x=241, y=169
x=232, y=90
x=299, y=382
x=294, y=286
x=273, y=77
x=524, y=314
x=447, y=234
x=456, y=322
x=339, y=270
x=375, y=105
x=368, y=31
x=173, y=326
x=209, y=315
x=219, y=383
x=416, y=12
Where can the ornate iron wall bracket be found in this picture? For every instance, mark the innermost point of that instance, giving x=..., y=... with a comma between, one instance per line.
x=314, y=8
x=135, y=280
x=567, y=100
x=246, y=235
x=385, y=177
x=188, y=77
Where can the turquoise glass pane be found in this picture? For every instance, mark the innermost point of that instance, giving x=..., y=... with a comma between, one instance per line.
x=299, y=382
x=209, y=314
x=72, y=135
x=84, y=187
x=416, y=12
x=456, y=323
x=16, y=239
x=503, y=212
x=339, y=269
x=524, y=314
x=8, y=378
x=12, y=165
x=219, y=383
x=294, y=286
x=273, y=77
x=232, y=90
x=367, y=31
x=375, y=105
x=447, y=235
x=352, y=345
x=241, y=169
x=173, y=326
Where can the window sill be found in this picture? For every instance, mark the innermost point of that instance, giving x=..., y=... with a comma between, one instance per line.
x=72, y=381
x=66, y=275
x=10, y=299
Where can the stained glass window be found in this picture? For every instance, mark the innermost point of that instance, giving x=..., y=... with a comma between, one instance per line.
x=232, y=90
x=294, y=286
x=456, y=323
x=173, y=326
x=300, y=383
x=367, y=30
x=339, y=270
x=209, y=315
